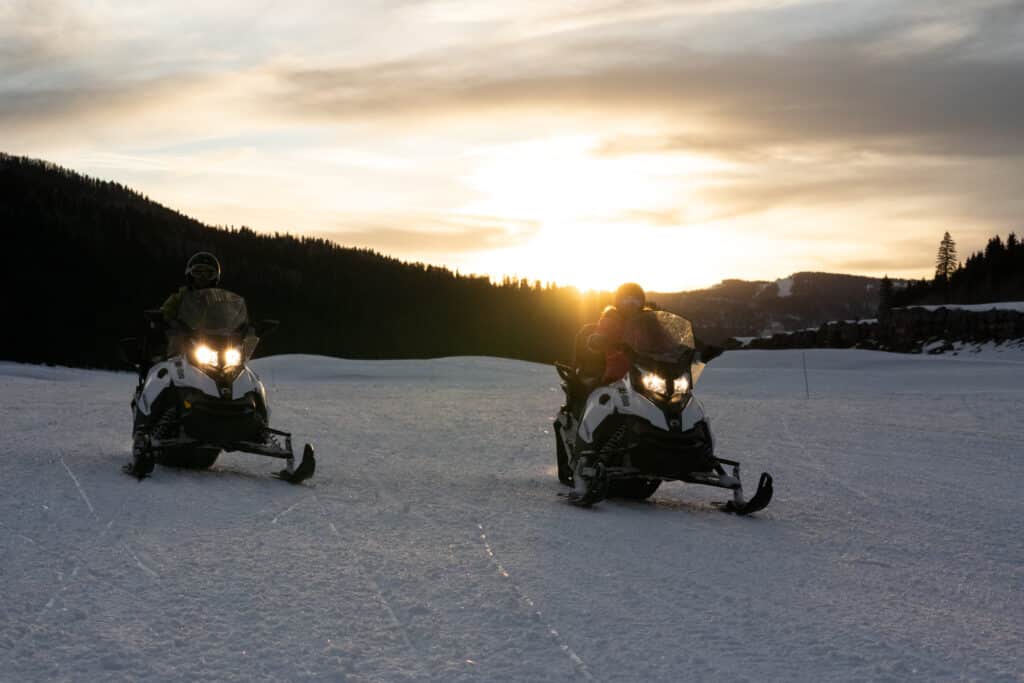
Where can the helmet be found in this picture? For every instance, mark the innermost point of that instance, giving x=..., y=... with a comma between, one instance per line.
x=202, y=270
x=630, y=296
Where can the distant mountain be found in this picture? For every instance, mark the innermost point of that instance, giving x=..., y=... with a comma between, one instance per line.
x=751, y=308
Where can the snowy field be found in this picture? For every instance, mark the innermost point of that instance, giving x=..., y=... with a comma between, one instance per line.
x=433, y=546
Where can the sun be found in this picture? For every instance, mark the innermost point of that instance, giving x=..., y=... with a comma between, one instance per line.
x=600, y=220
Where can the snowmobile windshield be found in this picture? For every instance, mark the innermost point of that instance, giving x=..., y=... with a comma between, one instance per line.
x=213, y=312
x=660, y=335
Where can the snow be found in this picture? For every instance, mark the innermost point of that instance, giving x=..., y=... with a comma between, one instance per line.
x=785, y=287
x=745, y=341
x=978, y=308
x=1012, y=349
x=432, y=544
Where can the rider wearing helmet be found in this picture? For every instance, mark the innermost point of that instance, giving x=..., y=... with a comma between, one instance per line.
x=630, y=304
x=201, y=272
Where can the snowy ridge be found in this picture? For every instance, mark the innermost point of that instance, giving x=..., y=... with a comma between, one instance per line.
x=977, y=308
x=785, y=287
x=433, y=546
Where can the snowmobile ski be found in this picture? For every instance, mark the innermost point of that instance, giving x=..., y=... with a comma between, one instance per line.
x=760, y=501
x=143, y=462
x=305, y=470
x=594, y=480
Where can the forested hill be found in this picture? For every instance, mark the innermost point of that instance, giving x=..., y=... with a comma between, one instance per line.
x=747, y=308
x=995, y=274
x=85, y=257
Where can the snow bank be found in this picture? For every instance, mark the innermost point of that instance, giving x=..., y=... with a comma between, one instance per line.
x=309, y=368
x=50, y=373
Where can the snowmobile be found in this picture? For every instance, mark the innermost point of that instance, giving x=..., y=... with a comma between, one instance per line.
x=203, y=398
x=625, y=438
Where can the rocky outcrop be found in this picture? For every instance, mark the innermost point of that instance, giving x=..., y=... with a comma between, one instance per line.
x=833, y=335
x=905, y=329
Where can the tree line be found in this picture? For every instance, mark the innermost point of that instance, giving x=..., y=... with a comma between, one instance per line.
x=993, y=274
x=91, y=256
x=85, y=257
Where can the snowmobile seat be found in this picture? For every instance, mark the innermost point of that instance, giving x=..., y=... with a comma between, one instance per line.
x=584, y=374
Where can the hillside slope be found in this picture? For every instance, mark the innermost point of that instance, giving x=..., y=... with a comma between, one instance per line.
x=92, y=255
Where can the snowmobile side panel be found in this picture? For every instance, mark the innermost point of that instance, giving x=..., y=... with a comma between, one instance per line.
x=618, y=398
x=175, y=371
x=247, y=382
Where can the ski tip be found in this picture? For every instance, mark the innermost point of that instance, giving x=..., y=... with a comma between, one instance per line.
x=132, y=472
x=304, y=471
x=763, y=496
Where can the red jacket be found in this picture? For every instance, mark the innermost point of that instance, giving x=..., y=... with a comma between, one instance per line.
x=612, y=326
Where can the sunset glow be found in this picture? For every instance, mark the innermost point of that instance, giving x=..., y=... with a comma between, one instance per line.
x=671, y=143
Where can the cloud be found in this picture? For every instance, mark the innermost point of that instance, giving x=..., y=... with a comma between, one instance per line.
x=35, y=35
x=909, y=111
x=435, y=235
x=956, y=92
x=953, y=90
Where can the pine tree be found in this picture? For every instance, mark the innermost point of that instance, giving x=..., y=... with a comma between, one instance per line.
x=885, y=296
x=945, y=259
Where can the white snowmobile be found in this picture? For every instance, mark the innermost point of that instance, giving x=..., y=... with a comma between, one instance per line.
x=204, y=399
x=623, y=439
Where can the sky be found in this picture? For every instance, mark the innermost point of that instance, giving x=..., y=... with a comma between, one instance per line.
x=586, y=143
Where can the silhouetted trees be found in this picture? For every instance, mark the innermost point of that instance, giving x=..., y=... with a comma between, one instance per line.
x=945, y=259
x=885, y=292
x=90, y=256
x=83, y=258
x=995, y=274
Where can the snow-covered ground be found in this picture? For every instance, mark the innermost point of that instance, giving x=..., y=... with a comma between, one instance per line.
x=1011, y=349
x=433, y=545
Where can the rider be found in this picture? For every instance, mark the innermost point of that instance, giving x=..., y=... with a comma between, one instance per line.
x=628, y=322
x=201, y=272
x=616, y=322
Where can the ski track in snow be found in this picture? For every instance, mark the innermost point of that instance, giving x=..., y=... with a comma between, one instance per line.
x=432, y=544
x=369, y=578
x=78, y=485
x=562, y=645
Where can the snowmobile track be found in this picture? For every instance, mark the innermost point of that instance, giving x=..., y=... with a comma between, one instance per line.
x=94, y=543
x=576, y=660
x=369, y=578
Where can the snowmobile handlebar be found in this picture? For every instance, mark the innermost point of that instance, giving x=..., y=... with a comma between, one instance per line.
x=155, y=318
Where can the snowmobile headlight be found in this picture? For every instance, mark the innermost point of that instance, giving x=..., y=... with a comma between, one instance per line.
x=680, y=385
x=232, y=357
x=654, y=383
x=204, y=355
